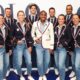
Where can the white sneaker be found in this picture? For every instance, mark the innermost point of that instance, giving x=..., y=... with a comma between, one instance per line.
x=40, y=78
x=30, y=78
x=47, y=71
x=72, y=74
x=22, y=78
x=58, y=78
x=44, y=77
x=56, y=72
x=25, y=73
x=7, y=74
x=74, y=78
x=15, y=71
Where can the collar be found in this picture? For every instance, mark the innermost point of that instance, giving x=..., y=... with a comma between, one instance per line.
x=69, y=15
x=45, y=23
x=3, y=27
x=8, y=18
x=52, y=17
x=33, y=15
x=76, y=26
x=61, y=26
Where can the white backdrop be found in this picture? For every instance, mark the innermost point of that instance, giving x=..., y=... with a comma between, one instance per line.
x=60, y=5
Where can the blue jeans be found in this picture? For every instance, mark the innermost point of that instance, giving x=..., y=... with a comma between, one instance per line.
x=60, y=58
x=6, y=63
x=20, y=51
x=2, y=52
x=77, y=62
x=73, y=60
x=43, y=59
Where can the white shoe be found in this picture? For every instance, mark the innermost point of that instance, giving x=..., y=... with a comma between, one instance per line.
x=47, y=71
x=7, y=74
x=30, y=78
x=58, y=78
x=40, y=78
x=56, y=72
x=15, y=71
x=25, y=73
x=44, y=77
x=22, y=78
x=4, y=79
x=72, y=74
x=74, y=78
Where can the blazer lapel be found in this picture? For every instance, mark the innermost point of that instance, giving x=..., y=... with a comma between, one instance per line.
x=19, y=26
x=72, y=31
x=38, y=25
x=62, y=30
x=6, y=32
x=77, y=31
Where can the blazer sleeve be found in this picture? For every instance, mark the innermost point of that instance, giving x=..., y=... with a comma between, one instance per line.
x=52, y=36
x=33, y=31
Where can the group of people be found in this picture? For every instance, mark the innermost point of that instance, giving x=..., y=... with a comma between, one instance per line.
x=58, y=36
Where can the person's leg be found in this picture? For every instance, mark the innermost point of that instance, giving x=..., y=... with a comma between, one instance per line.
x=46, y=59
x=77, y=63
x=72, y=74
x=6, y=63
x=27, y=56
x=73, y=60
x=14, y=58
x=39, y=52
x=67, y=61
x=2, y=51
x=1, y=66
x=56, y=58
x=18, y=58
x=62, y=59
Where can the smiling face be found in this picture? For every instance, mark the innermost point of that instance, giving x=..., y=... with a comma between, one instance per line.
x=1, y=20
x=75, y=19
x=43, y=16
x=8, y=12
x=21, y=16
x=61, y=20
x=69, y=10
x=52, y=12
x=33, y=10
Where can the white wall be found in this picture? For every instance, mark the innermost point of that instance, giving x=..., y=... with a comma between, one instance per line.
x=59, y=5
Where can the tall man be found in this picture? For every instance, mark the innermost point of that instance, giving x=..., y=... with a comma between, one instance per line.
x=52, y=17
x=9, y=21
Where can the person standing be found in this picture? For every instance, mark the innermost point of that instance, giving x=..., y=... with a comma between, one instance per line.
x=43, y=36
x=75, y=31
x=62, y=38
x=4, y=34
x=21, y=35
x=52, y=17
x=10, y=22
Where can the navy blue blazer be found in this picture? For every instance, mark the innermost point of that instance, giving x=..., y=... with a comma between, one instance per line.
x=55, y=23
x=63, y=39
x=18, y=34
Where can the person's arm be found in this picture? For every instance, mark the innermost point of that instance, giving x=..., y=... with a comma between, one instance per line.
x=51, y=37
